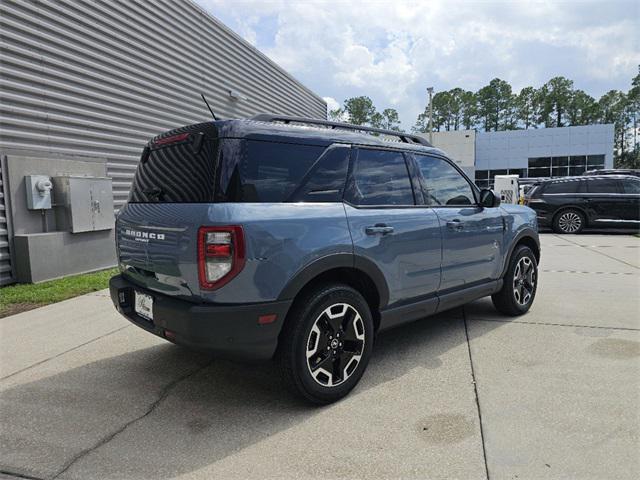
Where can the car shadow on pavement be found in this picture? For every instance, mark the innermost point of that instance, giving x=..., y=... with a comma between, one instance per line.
x=115, y=417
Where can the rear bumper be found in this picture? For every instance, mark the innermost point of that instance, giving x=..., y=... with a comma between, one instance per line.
x=230, y=331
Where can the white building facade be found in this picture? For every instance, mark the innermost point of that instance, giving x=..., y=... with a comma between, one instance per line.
x=460, y=145
x=544, y=152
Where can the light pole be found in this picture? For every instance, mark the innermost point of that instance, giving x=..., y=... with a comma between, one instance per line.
x=430, y=91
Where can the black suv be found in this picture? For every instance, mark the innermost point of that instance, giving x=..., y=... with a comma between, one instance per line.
x=570, y=204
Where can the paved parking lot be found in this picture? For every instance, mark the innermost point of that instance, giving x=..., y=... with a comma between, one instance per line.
x=467, y=394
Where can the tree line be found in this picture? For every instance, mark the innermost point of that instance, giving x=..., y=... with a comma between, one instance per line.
x=495, y=107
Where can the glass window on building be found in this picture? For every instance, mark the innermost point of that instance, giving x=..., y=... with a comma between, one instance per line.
x=595, y=162
x=540, y=172
x=522, y=172
x=539, y=167
x=578, y=161
x=482, y=178
x=577, y=164
x=540, y=162
x=559, y=171
x=559, y=161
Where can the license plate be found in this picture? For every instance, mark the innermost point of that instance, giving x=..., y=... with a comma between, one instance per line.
x=144, y=305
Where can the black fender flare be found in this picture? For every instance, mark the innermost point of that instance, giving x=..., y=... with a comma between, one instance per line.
x=336, y=260
x=524, y=233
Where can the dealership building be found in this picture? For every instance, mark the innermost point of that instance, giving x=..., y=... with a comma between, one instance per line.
x=543, y=152
x=84, y=86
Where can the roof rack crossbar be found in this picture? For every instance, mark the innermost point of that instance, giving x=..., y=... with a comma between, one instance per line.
x=404, y=137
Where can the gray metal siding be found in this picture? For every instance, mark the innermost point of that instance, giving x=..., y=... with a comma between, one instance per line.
x=98, y=78
x=91, y=78
x=6, y=266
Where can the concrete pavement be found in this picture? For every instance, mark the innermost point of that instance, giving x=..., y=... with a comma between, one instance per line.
x=465, y=394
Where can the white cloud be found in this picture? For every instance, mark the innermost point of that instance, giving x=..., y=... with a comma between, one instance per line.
x=392, y=51
x=332, y=103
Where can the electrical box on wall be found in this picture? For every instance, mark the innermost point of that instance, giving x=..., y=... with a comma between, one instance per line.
x=87, y=202
x=508, y=188
x=38, y=192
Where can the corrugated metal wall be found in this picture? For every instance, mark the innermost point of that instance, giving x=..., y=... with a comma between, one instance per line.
x=98, y=78
x=6, y=270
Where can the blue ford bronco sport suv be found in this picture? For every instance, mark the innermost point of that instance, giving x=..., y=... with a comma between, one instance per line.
x=301, y=239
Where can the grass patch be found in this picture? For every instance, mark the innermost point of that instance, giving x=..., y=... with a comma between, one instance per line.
x=20, y=298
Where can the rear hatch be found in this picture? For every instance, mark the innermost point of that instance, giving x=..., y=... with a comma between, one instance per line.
x=157, y=231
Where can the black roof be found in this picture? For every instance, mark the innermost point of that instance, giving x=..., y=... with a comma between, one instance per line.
x=585, y=178
x=312, y=134
x=609, y=171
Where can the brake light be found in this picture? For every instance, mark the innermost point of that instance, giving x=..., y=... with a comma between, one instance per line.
x=221, y=255
x=181, y=137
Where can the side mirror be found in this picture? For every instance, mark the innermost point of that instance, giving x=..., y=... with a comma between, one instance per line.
x=488, y=199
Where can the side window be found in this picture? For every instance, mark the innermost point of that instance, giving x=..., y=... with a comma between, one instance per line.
x=631, y=186
x=325, y=180
x=603, y=185
x=258, y=171
x=443, y=183
x=379, y=177
x=567, y=186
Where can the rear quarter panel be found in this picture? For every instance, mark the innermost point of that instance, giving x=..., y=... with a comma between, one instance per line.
x=281, y=239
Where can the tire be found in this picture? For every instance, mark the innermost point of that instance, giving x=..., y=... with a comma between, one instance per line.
x=326, y=343
x=520, y=284
x=569, y=221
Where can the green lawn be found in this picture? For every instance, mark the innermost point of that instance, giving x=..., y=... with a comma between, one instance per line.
x=19, y=298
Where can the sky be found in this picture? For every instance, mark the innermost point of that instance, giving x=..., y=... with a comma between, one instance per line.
x=393, y=50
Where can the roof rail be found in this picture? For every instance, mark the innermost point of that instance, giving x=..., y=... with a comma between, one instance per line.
x=404, y=137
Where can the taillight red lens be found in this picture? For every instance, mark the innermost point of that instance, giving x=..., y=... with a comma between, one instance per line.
x=181, y=137
x=218, y=250
x=221, y=255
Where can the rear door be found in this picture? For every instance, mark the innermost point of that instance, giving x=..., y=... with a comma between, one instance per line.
x=605, y=201
x=388, y=228
x=631, y=209
x=472, y=236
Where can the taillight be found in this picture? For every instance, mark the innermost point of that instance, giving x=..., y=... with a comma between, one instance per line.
x=221, y=255
x=181, y=137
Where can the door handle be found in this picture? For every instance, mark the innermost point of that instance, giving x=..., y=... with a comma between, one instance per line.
x=455, y=224
x=378, y=229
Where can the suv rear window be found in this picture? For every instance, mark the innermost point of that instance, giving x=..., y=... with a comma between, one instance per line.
x=564, y=186
x=270, y=172
x=603, y=185
x=631, y=186
x=179, y=172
